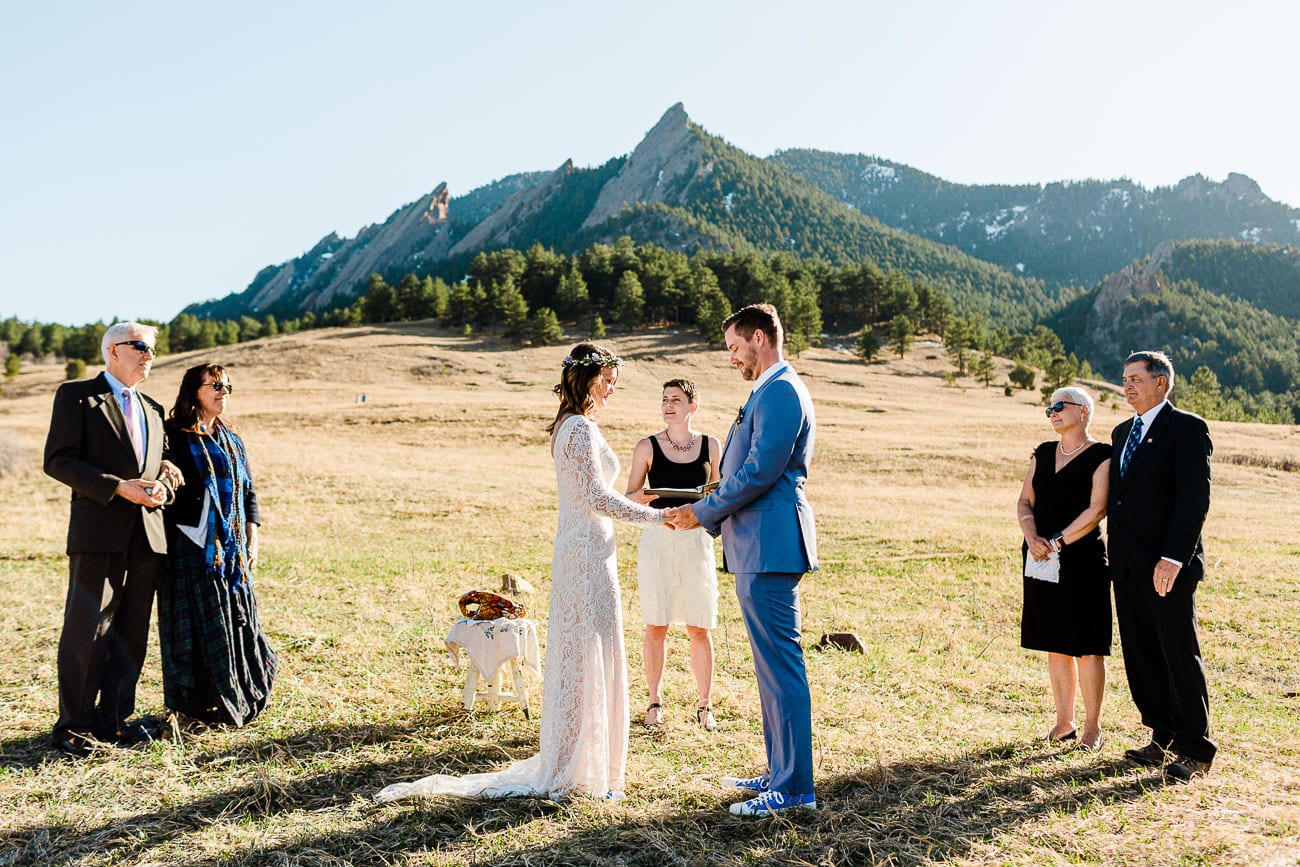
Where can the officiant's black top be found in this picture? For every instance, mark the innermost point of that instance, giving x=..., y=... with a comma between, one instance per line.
x=667, y=473
x=1072, y=617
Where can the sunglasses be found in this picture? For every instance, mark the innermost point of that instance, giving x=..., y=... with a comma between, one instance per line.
x=1058, y=406
x=222, y=387
x=139, y=346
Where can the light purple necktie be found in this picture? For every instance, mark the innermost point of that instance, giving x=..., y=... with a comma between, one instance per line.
x=133, y=427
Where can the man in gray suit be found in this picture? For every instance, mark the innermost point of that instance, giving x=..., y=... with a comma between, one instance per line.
x=106, y=443
x=769, y=541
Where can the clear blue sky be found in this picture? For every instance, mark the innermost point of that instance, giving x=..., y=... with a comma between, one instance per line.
x=157, y=153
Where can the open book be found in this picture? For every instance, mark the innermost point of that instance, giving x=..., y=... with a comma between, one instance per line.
x=684, y=493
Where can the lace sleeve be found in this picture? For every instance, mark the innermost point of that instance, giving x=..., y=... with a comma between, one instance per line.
x=581, y=463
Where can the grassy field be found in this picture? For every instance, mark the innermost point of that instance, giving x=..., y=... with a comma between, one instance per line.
x=380, y=514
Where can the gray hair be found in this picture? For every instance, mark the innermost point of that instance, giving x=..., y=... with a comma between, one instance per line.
x=1076, y=394
x=120, y=331
x=1157, y=364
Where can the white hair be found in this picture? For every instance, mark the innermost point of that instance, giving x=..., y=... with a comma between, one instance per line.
x=1076, y=394
x=120, y=331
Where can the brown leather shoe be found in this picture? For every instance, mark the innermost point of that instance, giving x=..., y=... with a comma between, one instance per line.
x=1152, y=755
x=1184, y=769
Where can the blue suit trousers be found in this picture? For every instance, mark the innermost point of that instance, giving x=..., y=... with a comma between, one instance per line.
x=769, y=602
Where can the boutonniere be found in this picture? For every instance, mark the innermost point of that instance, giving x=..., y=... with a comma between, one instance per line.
x=740, y=416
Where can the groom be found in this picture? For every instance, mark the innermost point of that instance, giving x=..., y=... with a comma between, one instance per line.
x=769, y=541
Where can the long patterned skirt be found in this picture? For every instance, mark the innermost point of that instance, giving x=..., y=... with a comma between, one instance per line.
x=216, y=662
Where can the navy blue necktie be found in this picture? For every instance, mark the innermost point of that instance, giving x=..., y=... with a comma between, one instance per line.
x=1134, y=437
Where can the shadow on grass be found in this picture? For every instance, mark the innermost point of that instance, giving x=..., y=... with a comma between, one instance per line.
x=908, y=812
x=334, y=790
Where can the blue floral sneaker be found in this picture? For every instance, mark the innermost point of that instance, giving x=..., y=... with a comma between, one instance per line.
x=757, y=784
x=771, y=803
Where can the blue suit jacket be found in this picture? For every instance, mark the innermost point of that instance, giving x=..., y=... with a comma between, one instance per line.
x=760, y=507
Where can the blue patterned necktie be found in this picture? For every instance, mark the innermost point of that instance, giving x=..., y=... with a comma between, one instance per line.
x=1134, y=437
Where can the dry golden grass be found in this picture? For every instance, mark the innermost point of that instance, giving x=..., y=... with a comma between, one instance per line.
x=380, y=514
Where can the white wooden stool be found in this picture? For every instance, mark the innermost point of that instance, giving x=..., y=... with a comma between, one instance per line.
x=492, y=646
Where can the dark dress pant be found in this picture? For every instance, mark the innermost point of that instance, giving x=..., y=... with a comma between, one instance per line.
x=1162, y=658
x=769, y=602
x=105, y=636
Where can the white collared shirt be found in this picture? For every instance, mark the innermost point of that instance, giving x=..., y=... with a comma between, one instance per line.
x=136, y=409
x=768, y=374
x=1148, y=418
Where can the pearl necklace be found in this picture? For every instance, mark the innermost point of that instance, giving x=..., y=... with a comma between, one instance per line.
x=690, y=444
x=1061, y=446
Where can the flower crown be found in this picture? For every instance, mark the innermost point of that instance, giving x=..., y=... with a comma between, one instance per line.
x=602, y=359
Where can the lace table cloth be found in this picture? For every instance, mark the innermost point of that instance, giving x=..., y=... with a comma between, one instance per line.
x=491, y=643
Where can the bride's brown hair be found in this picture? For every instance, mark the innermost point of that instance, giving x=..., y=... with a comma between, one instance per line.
x=583, y=364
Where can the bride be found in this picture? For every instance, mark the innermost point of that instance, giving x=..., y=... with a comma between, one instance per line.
x=584, y=730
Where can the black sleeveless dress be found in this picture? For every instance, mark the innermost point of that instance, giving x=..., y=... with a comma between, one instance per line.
x=1072, y=617
x=666, y=473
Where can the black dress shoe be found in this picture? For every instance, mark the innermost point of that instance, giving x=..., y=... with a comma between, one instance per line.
x=1184, y=769
x=134, y=733
x=1152, y=755
x=75, y=745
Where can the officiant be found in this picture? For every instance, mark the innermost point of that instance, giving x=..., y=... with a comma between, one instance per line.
x=1067, y=586
x=677, y=572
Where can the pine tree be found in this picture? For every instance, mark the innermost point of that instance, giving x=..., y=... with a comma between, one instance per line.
x=546, y=327
x=571, y=297
x=629, y=300
x=984, y=370
x=1022, y=375
x=868, y=346
x=900, y=335
x=511, y=310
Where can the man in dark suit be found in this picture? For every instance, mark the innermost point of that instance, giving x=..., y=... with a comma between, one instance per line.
x=106, y=443
x=1159, y=496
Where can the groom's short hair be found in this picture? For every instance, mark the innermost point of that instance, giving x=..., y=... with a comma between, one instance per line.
x=757, y=317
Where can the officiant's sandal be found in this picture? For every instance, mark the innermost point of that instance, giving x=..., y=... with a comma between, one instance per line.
x=704, y=716
x=657, y=710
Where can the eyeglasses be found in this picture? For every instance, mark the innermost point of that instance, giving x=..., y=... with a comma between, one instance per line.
x=220, y=387
x=1058, y=406
x=138, y=346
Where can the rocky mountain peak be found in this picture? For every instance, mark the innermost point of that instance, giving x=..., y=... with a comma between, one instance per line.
x=669, y=151
x=439, y=202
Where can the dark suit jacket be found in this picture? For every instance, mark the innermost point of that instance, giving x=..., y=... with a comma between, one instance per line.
x=89, y=450
x=188, y=506
x=1158, y=508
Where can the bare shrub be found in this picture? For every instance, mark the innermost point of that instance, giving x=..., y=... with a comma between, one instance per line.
x=1268, y=462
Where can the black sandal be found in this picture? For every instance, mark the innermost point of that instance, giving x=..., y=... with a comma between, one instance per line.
x=646, y=719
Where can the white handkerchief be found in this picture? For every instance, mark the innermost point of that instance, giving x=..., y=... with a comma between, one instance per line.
x=1048, y=570
x=198, y=534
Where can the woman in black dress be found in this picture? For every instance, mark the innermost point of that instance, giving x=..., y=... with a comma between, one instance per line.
x=217, y=664
x=1067, y=609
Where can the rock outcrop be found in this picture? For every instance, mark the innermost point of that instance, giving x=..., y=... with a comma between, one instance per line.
x=498, y=228
x=653, y=173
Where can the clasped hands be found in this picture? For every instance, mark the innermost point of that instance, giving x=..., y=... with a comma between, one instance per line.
x=151, y=494
x=680, y=518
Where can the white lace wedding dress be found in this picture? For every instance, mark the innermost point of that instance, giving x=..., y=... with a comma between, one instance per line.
x=584, y=693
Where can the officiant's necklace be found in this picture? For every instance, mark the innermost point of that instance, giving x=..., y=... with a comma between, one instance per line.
x=690, y=443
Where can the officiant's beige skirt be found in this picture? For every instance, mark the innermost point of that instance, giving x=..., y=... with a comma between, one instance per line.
x=677, y=575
